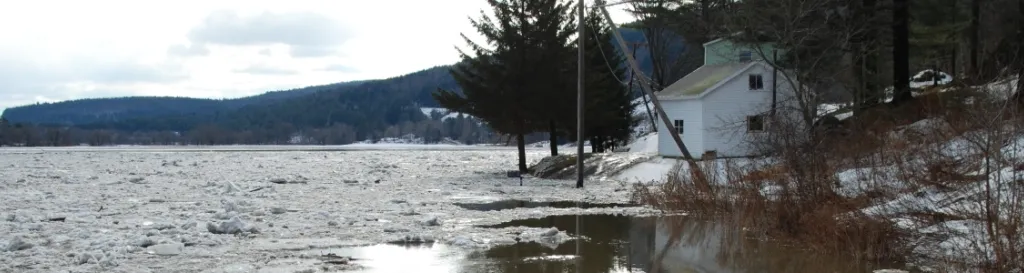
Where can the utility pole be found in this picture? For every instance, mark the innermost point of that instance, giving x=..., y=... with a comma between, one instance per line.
x=654, y=124
x=579, y=97
x=695, y=169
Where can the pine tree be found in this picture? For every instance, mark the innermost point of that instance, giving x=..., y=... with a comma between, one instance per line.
x=551, y=34
x=495, y=82
x=4, y=131
x=609, y=107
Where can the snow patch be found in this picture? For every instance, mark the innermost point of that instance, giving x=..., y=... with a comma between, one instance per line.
x=929, y=77
x=657, y=169
x=647, y=144
x=445, y=113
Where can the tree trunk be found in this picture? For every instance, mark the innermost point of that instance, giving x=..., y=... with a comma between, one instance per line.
x=553, y=131
x=1019, y=95
x=952, y=55
x=603, y=139
x=865, y=95
x=975, y=70
x=901, y=53
x=952, y=64
x=520, y=140
x=521, y=145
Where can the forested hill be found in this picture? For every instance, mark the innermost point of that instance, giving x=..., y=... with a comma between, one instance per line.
x=85, y=111
x=367, y=109
x=112, y=110
x=366, y=105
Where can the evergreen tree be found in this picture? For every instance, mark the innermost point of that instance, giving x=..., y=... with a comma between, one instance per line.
x=608, y=103
x=4, y=131
x=553, y=76
x=496, y=82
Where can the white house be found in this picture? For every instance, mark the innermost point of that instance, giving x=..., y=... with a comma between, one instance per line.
x=719, y=106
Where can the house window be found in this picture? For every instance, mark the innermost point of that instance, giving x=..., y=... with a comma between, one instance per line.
x=756, y=82
x=745, y=56
x=679, y=126
x=755, y=123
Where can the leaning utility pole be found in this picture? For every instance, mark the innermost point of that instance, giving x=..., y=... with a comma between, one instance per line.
x=671, y=130
x=579, y=98
x=654, y=123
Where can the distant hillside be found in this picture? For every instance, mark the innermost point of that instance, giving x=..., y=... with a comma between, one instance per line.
x=85, y=111
x=369, y=108
x=366, y=106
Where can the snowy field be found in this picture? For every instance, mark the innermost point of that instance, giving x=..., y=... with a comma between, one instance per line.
x=258, y=209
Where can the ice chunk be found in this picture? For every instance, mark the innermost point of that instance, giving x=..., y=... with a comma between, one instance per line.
x=233, y=226
x=144, y=242
x=550, y=232
x=431, y=221
x=17, y=244
x=170, y=249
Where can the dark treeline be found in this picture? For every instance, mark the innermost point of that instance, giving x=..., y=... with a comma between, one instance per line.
x=458, y=129
x=100, y=110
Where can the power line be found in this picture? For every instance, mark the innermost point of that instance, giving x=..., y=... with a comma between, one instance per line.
x=619, y=3
x=605, y=57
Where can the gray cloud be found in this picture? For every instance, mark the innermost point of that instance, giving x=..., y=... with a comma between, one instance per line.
x=14, y=72
x=265, y=70
x=129, y=73
x=310, y=51
x=310, y=31
x=188, y=50
x=24, y=82
x=340, y=68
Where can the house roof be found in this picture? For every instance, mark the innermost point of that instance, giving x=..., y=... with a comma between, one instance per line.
x=701, y=80
x=733, y=36
x=722, y=38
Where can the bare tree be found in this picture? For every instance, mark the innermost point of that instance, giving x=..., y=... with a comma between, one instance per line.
x=671, y=24
x=810, y=43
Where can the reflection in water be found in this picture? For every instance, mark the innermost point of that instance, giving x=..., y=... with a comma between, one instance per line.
x=615, y=244
x=419, y=258
x=513, y=204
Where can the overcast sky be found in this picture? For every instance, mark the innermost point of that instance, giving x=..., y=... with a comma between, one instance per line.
x=58, y=50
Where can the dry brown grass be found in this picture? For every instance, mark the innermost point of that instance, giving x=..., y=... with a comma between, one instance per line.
x=806, y=203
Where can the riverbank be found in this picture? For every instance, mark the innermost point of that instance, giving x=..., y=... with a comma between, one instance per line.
x=942, y=196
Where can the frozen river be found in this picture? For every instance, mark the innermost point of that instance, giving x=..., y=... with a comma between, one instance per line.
x=310, y=209
x=260, y=208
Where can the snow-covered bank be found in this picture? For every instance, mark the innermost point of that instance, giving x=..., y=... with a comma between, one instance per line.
x=184, y=211
x=647, y=144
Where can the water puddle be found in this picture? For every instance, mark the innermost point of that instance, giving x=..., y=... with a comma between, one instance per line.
x=612, y=244
x=514, y=204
